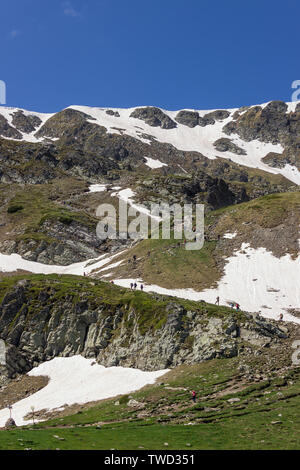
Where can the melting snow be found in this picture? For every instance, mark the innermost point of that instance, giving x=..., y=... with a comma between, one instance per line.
x=230, y=235
x=198, y=139
x=247, y=278
x=75, y=380
x=99, y=188
x=127, y=195
x=154, y=163
x=13, y=262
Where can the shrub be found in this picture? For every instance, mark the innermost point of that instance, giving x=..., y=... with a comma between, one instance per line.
x=14, y=208
x=66, y=220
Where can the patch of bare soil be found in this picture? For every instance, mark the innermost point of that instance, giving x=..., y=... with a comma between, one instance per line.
x=19, y=272
x=20, y=388
x=232, y=386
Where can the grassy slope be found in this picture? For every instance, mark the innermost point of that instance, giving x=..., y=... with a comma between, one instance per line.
x=266, y=417
x=151, y=308
x=39, y=203
x=169, y=264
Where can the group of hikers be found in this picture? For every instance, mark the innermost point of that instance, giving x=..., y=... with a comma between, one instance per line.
x=231, y=304
x=133, y=285
x=237, y=306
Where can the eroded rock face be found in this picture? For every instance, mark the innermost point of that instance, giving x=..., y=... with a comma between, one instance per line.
x=8, y=131
x=62, y=123
x=277, y=160
x=154, y=117
x=16, y=363
x=226, y=145
x=63, y=245
x=271, y=124
x=218, y=115
x=25, y=123
x=110, y=112
x=39, y=324
x=193, y=119
x=200, y=188
x=265, y=124
x=188, y=118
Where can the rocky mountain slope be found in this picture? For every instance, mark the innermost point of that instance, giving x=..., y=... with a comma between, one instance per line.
x=49, y=161
x=264, y=136
x=243, y=164
x=44, y=317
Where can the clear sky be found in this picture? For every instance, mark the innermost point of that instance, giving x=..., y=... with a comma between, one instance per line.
x=173, y=54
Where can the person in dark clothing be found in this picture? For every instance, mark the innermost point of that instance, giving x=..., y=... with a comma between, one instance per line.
x=217, y=302
x=131, y=285
x=135, y=285
x=142, y=287
x=194, y=396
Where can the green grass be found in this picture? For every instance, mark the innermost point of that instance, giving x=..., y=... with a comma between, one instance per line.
x=168, y=263
x=266, y=211
x=166, y=406
x=31, y=206
x=235, y=433
x=150, y=309
x=260, y=420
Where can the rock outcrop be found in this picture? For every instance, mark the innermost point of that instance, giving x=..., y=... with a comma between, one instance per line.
x=154, y=117
x=193, y=119
x=226, y=145
x=43, y=319
x=271, y=123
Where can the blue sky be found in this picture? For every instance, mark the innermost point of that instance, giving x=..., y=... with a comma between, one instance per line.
x=173, y=54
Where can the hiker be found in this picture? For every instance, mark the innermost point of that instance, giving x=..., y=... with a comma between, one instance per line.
x=194, y=396
x=217, y=302
x=135, y=285
x=237, y=306
x=281, y=317
x=131, y=285
x=142, y=287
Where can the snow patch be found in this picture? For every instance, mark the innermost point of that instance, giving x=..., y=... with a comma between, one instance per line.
x=230, y=235
x=245, y=266
x=99, y=188
x=78, y=380
x=198, y=139
x=13, y=262
x=154, y=163
x=126, y=195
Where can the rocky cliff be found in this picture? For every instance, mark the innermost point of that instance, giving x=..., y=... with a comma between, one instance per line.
x=46, y=316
